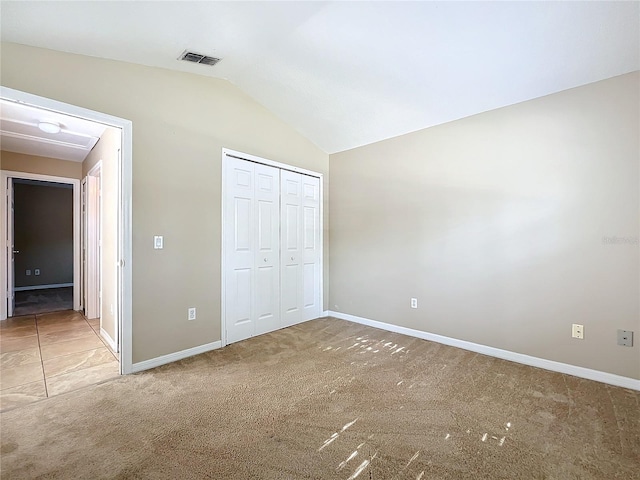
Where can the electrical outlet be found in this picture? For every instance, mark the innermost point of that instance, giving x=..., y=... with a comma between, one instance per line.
x=414, y=303
x=577, y=331
x=625, y=338
x=28, y=273
x=158, y=242
x=191, y=314
x=37, y=271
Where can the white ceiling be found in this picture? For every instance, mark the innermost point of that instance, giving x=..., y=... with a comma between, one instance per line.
x=19, y=132
x=346, y=74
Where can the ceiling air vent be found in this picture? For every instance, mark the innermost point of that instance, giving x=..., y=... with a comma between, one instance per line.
x=193, y=57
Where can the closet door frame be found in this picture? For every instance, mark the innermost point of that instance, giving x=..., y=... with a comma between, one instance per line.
x=228, y=153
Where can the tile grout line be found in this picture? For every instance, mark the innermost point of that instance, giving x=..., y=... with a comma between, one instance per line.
x=44, y=376
x=97, y=333
x=78, y=370
x=113, y=354
x=42, y=359
x=72, y=353
x=78, y=351
x=67, y=341
x=15, y=351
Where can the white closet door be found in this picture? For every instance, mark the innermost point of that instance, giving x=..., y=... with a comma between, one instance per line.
x=267, y=254
x=291, y=263
x=252, y=249
x=239, y=249
x=311, y=247
x=271, y=248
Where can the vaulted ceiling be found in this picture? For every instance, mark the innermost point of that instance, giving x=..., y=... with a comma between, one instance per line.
x=345, y=74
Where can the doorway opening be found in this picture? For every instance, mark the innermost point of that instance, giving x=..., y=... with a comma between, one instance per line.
x=40, y=238
x=41, y=224
x=111, y=258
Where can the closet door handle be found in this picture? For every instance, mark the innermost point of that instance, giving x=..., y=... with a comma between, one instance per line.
x=291, y=258
x=265, y=259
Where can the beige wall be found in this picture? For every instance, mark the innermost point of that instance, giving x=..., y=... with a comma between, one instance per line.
x=496, y=224
x=43, y=234
x=18, y=162
x=181, y=122
x=106, y=151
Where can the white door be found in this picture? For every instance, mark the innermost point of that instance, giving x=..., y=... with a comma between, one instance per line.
x=267, y=253
x=300, y=243
x=92, y=247
x=251, y=245
x=272, y=248
x=239, y=250
x=10, y=250
x=311, y=247
x=292, y=260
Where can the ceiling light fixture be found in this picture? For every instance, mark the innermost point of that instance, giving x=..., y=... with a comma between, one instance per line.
x=49, y=127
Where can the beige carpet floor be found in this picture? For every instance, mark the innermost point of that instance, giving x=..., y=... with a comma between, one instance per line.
x=330, y=399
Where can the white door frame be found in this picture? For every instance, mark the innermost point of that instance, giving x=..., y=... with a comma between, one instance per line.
x=226, y=153
x=124, y=213
x=5, y=269
x=83, y=245
x=10, y=303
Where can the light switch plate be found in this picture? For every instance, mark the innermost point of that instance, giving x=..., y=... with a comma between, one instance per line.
x=158, y=242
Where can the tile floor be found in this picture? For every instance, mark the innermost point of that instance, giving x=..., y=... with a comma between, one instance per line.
x=48, y=354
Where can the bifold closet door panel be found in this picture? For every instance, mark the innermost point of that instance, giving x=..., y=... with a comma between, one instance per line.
x=272, y=248
x=267, y=253
x=311, y=301
x=239, y=213
x=291, y=256
x=252, y=249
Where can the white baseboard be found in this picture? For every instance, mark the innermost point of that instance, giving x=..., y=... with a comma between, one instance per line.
x=42, y=287
x=574, y=370
x=325, y=314
x=174, y=357
x=110, y=341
